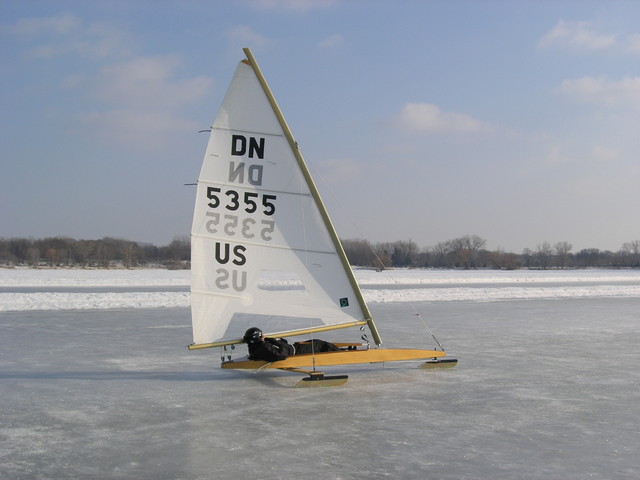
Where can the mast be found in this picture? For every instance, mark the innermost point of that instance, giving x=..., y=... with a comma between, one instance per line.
x=316, y=195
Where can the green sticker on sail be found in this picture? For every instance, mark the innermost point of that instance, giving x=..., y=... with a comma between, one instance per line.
x=344, y=302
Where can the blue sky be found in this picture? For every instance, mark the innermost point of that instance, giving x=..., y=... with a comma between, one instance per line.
x=422, y=120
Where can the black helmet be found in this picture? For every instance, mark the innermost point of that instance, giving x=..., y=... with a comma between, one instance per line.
x=253, y=335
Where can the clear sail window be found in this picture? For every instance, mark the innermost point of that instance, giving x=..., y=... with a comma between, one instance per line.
x=275, y=280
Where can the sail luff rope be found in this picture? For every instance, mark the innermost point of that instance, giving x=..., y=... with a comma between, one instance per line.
x=353, y=223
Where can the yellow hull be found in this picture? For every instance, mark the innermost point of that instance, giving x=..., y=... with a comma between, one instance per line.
x=343, y=357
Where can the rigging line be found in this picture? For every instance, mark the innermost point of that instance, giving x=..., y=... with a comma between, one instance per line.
x=419, y=315
x=375, y=254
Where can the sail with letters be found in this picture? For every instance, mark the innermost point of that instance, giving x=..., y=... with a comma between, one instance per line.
x=258, y=216
x=258, y=213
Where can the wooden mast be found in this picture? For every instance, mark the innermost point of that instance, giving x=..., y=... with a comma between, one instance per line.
x=316, y=196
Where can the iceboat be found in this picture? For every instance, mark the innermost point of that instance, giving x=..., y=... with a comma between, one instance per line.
x=259, y=218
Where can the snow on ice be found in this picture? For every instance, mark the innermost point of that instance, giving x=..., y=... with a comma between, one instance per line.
x=68, y=289
x=546, y=387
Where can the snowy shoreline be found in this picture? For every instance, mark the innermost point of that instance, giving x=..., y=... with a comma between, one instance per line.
x=378, y=287
x=69, y=277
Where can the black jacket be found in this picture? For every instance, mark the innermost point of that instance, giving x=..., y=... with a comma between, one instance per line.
x=314, y=346
x=271, y=350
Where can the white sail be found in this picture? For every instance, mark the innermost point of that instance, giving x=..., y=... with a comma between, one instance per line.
x=257, y=213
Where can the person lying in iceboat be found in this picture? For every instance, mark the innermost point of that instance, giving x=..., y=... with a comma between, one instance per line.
x=274, y=349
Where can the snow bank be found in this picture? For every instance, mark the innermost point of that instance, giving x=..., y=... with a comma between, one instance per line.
x=91, y=301
x=27, y=289
x=27, y=277
x=438, y=277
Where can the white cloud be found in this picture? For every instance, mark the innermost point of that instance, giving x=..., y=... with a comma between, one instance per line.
x=430, y=118
x=602, y=91
x=332, y=171
x=244, y=36
x=142, y=97
x=332, y=41
x=553, y=156
x=578, y=35
x=66, y=34
x=144, y=130
x=603, y=154
x=147, y=83
x=633, y=43
x=585, y=157
x=60, y=24
x=294, y=5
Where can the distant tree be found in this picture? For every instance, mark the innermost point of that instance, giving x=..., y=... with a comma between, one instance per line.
x=588, y=257
x=544, y=253
x=33, y=256
x=423, y=258
x=52, y=256
x=562, y=252
x=383, y=260
x=511, y=261
x=458, y=254
x=403, y=253
x=5, y=256
x=465, y=250
x=632, y=250
x=359, y=252
x=502, y=260
x=150, y=253
x=82, y=251
x=382, y=255
x=129, y=251
x=438, y=255
x=178, y=253
x=475, y=244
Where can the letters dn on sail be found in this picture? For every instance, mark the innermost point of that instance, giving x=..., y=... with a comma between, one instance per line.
x=239, y=148
x=240, y=214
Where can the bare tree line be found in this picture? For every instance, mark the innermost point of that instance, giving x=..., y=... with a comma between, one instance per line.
x=466, y=252
x=104, y=253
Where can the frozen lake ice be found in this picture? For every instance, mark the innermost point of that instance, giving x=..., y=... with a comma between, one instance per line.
x=546, y=387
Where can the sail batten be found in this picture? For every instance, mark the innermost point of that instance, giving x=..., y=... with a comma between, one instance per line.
x=258, y=210
x=226, y=184
x=276, y=247
x=249, y=132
